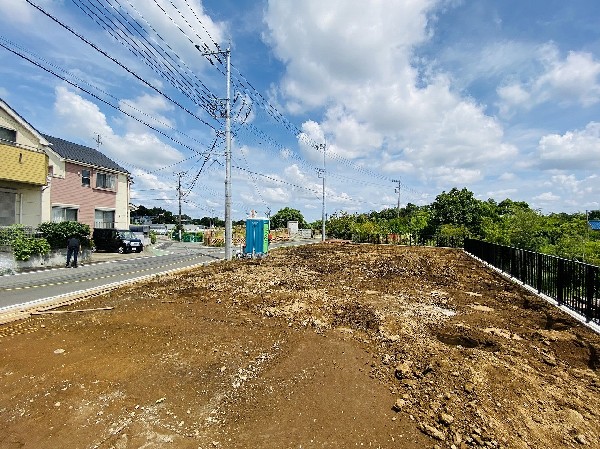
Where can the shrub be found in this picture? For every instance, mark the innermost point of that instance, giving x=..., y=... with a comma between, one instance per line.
x=57, y=234
x=10, y=233
x=24, y=247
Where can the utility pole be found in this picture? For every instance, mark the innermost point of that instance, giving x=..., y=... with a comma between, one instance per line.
x=397, y=190
x=179, y=194
x=228, y=224
x=321, y=172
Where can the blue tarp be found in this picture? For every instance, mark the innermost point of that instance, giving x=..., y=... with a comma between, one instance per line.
x=594, y=225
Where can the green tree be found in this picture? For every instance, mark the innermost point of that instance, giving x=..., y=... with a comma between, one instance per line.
x=339, y=225
x=509, y=207
x=458, y=208
x=419, y=222
x=211, y=222
x=524, y=229
x=366, y=231
x=397, y=225
x=281, y=218
x=594, y=215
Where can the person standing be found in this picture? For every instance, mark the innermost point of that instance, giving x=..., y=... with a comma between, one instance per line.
x=73, y=250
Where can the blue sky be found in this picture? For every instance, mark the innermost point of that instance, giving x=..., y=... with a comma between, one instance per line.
x=501, y=97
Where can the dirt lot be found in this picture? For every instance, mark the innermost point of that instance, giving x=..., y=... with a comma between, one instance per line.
x=324, y=346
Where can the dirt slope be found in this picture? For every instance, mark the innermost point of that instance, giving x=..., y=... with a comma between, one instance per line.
x=318, y=346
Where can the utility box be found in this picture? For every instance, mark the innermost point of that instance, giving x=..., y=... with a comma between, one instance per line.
x=257, y=236
x=292, y=227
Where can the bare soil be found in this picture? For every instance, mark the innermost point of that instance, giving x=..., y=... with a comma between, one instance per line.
x=324, y=346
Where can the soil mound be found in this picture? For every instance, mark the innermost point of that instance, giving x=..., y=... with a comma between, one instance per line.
x=328, y=345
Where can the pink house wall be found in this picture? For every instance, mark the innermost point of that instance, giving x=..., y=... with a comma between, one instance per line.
x=70, y=191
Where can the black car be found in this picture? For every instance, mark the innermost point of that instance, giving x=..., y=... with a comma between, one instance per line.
x=119, y=240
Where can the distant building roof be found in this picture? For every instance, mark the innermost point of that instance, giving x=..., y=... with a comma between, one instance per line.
x=79, y=153
x=594, y=225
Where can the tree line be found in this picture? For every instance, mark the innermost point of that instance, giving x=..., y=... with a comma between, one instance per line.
x=459, y=214
x=456, y=214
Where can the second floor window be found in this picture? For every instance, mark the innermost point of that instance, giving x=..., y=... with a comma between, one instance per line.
x=8, y=135
x=85, y=178
x=105, y=181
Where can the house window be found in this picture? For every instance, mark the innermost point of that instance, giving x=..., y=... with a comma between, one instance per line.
x=105, y=181
x=104, y=219
x=60, y=213
x=8, y=135
x=8, y=208
x=85, y=178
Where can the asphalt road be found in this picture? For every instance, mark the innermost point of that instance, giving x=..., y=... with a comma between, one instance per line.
x=45, y=286
x=41, y=286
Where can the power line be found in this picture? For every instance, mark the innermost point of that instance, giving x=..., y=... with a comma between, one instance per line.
x=95, y=96
x=79, y=80
x=123, y=32
x=169, y=54
x=131, y=72
x=156, y=56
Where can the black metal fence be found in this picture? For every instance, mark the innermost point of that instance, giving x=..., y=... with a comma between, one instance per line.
x=408, y=240
x=571, y=283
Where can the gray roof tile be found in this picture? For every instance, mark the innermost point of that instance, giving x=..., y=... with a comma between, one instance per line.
x=79, y=153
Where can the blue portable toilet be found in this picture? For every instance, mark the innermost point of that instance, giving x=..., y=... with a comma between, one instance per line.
x=257, y=236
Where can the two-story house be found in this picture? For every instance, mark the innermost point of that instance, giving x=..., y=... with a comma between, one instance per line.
x=24, y=198
x=86, y=186
x=44, y=178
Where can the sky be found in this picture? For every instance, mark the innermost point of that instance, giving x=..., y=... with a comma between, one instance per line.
x=408, y=98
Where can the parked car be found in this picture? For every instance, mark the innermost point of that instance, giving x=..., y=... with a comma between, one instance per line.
x=119, y=240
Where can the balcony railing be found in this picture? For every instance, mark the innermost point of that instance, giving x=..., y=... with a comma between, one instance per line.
x=104, y=224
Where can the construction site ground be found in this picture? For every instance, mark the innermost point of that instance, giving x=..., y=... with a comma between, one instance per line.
x=320, y=346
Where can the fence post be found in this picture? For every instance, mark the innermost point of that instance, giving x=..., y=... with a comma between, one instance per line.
x=590, y=290
x=539, y=272
x=560, y=274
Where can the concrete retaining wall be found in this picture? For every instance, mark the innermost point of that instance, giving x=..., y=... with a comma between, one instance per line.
x=56, y=258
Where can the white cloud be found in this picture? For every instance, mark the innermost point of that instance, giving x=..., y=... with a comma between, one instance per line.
x=150, y=109
x=507, y=176
x=18, y=11
x=352, y=138
x=276, y=195
x=547, y=197
x=501, y=194
x=512, y=95
x=572, y=80
x=356, y=62
x=575, y=79
x=574, y=186
x=170, y=20
x=80, y=117
x=456, y=176
x=83, y=119
x=472, y=61
x=578, y=149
